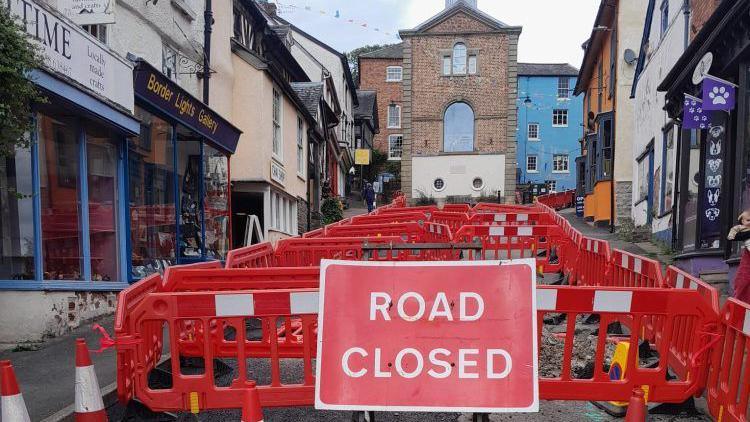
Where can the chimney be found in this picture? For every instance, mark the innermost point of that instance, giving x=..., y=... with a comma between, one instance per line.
x=470, y=3
x=269, y=8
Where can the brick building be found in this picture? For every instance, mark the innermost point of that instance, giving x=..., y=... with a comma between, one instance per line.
x=459, y=105
x=382, y=71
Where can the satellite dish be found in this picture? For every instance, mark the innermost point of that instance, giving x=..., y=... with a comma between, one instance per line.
x=630, y=56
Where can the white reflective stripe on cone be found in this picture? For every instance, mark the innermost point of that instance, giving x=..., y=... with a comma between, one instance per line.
x=14, y=409
x=88, y=395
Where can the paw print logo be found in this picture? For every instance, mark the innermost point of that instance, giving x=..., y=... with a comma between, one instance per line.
x=719, y=95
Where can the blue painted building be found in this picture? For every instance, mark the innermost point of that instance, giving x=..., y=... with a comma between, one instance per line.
x=550, y=123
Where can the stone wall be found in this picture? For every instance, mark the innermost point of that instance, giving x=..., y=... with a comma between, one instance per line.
x=302, y=210
x=623, y=201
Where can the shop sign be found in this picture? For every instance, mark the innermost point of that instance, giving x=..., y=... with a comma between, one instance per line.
x=70, y=51
x=703, y=67
x=579, y=206
x=278, y=174
x=427, y=336
x=164, y=94
x=362, y=157
x=713, y=183
x=88, y=12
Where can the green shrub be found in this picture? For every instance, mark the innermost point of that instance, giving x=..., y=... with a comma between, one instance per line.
x=332, y=211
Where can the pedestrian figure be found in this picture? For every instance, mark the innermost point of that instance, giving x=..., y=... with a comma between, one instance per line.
x=370, y=197
x=741, y=233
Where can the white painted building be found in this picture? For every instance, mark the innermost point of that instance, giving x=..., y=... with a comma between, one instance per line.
x=655, y=134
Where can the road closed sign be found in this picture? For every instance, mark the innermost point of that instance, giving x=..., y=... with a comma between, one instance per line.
x=428, y=336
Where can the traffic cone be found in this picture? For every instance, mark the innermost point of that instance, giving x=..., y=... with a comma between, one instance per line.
x=251, y=411
x=89, y=404
x=637, y=407
x=11, y=399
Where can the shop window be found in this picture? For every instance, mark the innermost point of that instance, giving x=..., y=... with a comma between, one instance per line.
x=16, y=217
x=277, y=136
x=102, y=156
x=189, y=182
x=60, y=199
x=458, y=128
x=689, y=217
x=216, y=202
x=395, y=147
x=152, y=196
x=459, y=59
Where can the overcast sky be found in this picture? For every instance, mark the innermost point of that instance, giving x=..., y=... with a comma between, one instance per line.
x=553, y=30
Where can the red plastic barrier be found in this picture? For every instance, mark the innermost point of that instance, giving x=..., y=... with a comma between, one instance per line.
x=729, y=372
x=255, y=256
x=315, y=233
x=454, y=220
x=409, y=232
x=488, y=207
x=401, y=217
x=594, y=263
x=544, y=243
x=629, y=270
x=298, y=252
x=427, y=209
x=558, y=200
x=462, y=208
x=511, y=219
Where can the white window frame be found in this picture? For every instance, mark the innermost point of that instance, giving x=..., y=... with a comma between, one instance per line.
x=563, y=90
x=460, y=66
x=564, y=159
x=447, y=65
x=528, y=132
x=472, y=64
x=551, y=185
x=391, y=155
x=563, y=113
x=390, y=117
x=277, y=118
x=389, y=77
x=536, y=164
x=283, y=214
x=300, y=147
x=169, y=62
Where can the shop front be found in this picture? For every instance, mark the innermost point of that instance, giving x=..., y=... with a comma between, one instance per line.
x=179, y=192
x=713, y=158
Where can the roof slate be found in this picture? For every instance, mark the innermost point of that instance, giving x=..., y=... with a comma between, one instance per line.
x=546, y=69
x=310, y=93
x=395, y=51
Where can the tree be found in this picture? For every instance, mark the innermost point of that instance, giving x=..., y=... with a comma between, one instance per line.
x=353, y=57
x=18, y=57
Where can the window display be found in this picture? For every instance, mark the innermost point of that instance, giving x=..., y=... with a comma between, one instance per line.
x=152, y=199
x=60, y=198
x=216, y=202
x=189, y=179
x=16, y=217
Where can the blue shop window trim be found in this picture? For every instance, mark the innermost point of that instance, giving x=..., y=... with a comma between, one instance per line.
x=61, y=285
x=86, y=101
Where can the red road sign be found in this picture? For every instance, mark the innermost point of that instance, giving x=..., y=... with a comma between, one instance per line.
x=428, y=336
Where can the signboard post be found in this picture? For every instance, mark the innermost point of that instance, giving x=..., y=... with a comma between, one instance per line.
x=428, y=337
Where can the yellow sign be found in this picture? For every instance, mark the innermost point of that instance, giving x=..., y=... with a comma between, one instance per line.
x=362, y=157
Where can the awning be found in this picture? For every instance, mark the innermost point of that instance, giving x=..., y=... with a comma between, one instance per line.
x=160, y=92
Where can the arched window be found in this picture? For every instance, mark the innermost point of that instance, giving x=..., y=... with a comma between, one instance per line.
x=458, y=128
x=459, y=59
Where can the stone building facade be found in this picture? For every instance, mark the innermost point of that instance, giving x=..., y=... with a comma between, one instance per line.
x=459, y=105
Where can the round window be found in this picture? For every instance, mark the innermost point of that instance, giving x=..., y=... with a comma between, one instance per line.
x=477, y=183
x=439, y=184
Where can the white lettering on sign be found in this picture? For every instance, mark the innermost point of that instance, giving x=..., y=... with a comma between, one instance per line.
x=72, y=52
x=440, y=365
x=380, y=302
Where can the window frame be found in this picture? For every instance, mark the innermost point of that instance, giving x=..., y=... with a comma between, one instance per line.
x=560, y=113
x=388, y=77
x=536, y=163
x=563, y=88
x=538, y=137
x=473, y=129
x=566, y=161
x=277, y=119
x=454, y=62
x=392, y=157
x=390, y=116
x=166, y=59
x=664, y=18
x=300, y=147
x=469, y=58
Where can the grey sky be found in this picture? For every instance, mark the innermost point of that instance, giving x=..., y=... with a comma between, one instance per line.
x=553, y=30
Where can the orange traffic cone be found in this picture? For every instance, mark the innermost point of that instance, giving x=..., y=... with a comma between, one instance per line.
x=89, y=404
x=251, y=411
x=637, y=407
x=11, y=399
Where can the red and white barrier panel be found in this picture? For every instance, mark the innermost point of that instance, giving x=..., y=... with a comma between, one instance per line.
x=248, y=304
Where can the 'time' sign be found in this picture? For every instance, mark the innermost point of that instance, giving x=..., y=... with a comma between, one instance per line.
x=428, y=336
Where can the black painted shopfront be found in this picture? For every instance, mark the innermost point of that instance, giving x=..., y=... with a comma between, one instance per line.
x=713, y=169
x=178, y=167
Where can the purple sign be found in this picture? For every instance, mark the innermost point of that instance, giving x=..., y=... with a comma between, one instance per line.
x=718, y=94
x=694, y=115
